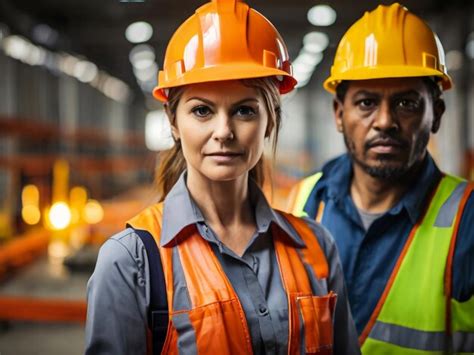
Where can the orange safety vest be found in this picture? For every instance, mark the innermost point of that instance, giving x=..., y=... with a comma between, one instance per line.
x=216, y=322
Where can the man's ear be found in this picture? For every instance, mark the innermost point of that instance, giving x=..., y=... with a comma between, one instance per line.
x=338, y=110
x=438, y=110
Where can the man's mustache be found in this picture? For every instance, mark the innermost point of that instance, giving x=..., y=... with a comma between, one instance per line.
x=386, y=139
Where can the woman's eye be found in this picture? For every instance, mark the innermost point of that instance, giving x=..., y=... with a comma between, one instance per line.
x=201, y=111
x=245, y=111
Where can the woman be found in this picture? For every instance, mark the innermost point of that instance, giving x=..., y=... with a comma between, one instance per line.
x=239, y=277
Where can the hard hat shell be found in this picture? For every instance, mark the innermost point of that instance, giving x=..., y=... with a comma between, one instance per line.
x=224, y=40
x=389, y=42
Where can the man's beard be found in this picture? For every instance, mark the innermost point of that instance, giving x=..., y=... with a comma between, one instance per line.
x=387, y=171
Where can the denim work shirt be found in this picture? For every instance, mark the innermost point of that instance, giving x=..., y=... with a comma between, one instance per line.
x=119, y=289
x=369, y=256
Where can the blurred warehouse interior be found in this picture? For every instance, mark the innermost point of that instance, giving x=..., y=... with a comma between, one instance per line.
x=79, y=130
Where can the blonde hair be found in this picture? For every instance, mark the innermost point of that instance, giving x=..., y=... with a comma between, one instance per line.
x=172, y=162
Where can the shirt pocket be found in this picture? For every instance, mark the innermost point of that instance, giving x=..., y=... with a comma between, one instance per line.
x=316, y=313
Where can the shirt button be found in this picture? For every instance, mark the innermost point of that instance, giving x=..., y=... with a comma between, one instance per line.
x=262, y=310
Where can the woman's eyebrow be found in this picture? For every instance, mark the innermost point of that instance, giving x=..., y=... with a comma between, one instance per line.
x=248, y=99
x=209, y=102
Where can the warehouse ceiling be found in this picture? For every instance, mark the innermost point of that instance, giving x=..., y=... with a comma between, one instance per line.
x=95, y=29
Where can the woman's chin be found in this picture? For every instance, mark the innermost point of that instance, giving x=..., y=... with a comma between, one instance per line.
x=222, y=174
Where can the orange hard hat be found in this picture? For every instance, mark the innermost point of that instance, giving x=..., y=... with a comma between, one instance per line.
x=224, y=40
x=388, y=42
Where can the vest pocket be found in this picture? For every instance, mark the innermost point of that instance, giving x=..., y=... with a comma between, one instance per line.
x=316, y=313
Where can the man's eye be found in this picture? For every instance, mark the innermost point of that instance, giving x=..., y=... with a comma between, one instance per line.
x=245, y=111
x=201, y=111
x=366, y=103
x=408, y=104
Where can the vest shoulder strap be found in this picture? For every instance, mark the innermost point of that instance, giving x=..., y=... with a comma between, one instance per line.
x=158, y=313
x=300, y=193
x=158, y=310
x=313, y=255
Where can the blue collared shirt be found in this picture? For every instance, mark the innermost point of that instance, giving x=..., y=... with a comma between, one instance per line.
x=119, y=289
x=368, y=256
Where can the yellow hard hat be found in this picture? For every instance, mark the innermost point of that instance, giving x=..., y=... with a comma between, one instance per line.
x=224, y=40
x=389, y=42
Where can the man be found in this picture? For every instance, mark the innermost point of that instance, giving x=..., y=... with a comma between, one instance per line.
x=405, y=231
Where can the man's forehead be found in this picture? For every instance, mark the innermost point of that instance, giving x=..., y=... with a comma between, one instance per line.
x=388, y=85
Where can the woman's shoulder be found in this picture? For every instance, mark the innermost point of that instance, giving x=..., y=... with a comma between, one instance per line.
x=122, y=250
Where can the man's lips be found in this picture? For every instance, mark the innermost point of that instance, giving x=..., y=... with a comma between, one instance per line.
x=385, y=146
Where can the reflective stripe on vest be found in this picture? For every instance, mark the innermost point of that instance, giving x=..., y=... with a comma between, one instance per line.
x=205, y=313
x=411, y=315
x=301, y=194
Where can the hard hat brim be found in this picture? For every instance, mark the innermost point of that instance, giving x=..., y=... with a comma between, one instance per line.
x=223, y=73
x=385, y=72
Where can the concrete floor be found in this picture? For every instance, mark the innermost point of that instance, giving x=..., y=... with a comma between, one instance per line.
x=20, y=338
x=44, y=280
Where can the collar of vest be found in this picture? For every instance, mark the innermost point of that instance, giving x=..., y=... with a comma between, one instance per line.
x=179, y=212
x=151, y=219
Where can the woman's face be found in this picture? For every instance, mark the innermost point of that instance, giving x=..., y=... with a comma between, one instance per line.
x=222, y=128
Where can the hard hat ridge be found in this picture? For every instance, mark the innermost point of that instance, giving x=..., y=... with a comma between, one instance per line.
x=225, y=5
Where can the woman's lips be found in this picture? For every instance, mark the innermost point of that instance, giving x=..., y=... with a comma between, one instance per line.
x=223, y=157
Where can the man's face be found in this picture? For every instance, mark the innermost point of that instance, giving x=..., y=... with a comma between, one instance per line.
x=386, y=124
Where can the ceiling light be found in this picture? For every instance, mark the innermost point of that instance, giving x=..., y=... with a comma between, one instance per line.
x=60, y=215
x=20, y=48
x=115, y=89
x=309, y=59
x=139, y=32
x=142, y=56
x=93, y=212
x=321, y=15
x=85, y=71
x=158, y=131
x=16, y=47
x=146, y=74
x=315, y=42
x=67, y=63
x=454, y=60
x=302, y=74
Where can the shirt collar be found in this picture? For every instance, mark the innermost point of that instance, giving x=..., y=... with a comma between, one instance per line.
x=337, y=176
x=180, y=211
